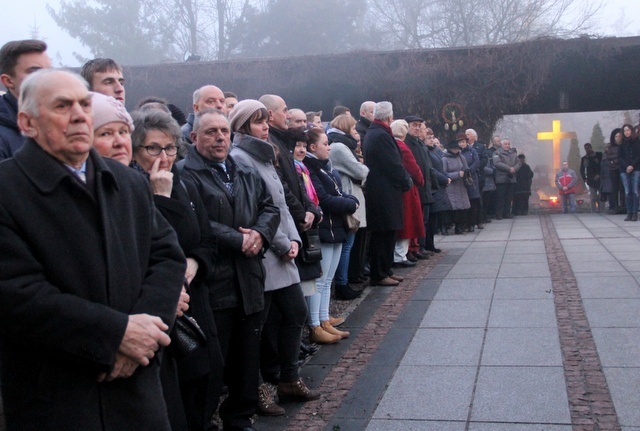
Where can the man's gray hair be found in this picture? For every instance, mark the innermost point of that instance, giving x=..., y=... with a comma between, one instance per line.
x=473, y=132
x=28, y=101
x=366, y=104
x=200, y=114
x=505, y=140
x=196, y=94
x=383, y=111
x=270, y=101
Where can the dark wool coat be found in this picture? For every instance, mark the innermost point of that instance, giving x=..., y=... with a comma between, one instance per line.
x=420, y=153
x=185, y=212
x=473, y=162
x=335, y=205
x=362, y=127
x=250, y=207
x=413, y=216
x=75, y=262
x=590, y=168
x=296, y=196
x=387, y=179
x=484, y=156
x=612, y=156
x=524, y=179
x=10, y=138
x=440, y=198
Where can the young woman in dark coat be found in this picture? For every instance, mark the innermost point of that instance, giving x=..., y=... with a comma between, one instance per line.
x=630, y=170
x=335, y=205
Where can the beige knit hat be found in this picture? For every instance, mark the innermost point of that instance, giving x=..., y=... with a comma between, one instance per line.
x=243, y=111
x=107, y=110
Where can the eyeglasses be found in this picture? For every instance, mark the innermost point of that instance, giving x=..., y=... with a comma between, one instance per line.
x=155, y=150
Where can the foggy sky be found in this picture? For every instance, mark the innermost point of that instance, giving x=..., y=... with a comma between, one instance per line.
x=20, y=17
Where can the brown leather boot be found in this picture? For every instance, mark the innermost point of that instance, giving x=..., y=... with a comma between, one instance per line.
x=331, y=330
x=297, y=390
x=266, y=404
x=320, y=336
x=336, y=321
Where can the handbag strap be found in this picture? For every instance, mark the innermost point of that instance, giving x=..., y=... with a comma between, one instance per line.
x=335, y=183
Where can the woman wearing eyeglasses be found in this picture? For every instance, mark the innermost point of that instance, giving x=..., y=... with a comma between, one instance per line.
x=192, y=397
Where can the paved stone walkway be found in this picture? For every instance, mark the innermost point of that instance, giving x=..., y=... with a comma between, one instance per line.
x=529, y=324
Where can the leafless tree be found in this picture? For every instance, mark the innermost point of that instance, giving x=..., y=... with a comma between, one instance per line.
x=453, y=23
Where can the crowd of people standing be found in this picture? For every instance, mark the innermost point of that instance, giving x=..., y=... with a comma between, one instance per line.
x=244, y=219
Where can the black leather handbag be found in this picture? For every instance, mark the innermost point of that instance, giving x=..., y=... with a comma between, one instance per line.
x=186, y=337
x=311, y=252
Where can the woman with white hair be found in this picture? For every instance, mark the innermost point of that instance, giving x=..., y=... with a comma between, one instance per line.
x=386, y=182
x=412, y=227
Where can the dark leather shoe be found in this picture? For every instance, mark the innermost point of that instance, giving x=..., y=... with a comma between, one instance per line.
x=297, y=390
x=411, y=257
x=404, y=264
x=385, y=282
x=420, y=256
x=435, y=250
x=344, y=292
x=267, y=405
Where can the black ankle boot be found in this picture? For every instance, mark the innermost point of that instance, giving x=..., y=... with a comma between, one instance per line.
x=345, y=292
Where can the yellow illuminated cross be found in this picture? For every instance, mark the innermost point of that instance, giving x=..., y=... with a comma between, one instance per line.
x=556, y=136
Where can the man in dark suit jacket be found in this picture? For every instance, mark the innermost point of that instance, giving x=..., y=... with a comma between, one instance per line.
x=90, y=274
x=386, y=182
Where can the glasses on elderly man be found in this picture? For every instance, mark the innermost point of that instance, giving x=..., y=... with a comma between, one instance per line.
x=155, y=150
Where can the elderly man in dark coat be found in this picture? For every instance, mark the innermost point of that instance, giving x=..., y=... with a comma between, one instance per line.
x=421, y=154
x=90, y=274
x=245, y=220
x=386, y=182
x=506, y=163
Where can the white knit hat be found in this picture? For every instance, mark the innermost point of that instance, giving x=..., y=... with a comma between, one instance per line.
x=243, y=111
x=107, y=110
